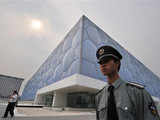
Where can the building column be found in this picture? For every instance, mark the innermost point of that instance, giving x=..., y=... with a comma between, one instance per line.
x=39, y=99
x=59, y=99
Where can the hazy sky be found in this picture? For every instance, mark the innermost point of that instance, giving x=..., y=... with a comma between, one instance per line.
x=132, y=23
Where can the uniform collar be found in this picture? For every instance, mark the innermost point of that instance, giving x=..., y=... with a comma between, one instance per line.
x=117, y=83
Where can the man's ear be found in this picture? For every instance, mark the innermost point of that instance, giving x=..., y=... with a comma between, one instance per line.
x=117, y=64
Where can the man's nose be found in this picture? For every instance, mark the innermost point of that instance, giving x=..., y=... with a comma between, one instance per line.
x=103, y=65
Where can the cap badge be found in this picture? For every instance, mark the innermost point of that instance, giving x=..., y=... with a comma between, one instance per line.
x=101, y=51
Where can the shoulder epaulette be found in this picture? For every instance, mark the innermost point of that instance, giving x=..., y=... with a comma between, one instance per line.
x=99, y=91
x=135, y=85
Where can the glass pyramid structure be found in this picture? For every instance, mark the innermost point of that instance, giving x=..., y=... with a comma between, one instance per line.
x=77, y=54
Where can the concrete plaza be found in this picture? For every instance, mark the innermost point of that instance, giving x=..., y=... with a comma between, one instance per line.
x=47, y=114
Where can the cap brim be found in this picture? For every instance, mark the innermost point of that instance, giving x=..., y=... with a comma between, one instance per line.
x=107, y=56
x=105, y=59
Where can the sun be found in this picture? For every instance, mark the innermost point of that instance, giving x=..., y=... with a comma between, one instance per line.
x=36, y=24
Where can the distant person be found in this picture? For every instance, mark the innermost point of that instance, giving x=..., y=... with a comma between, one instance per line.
x=121, y=100
x=13, y=99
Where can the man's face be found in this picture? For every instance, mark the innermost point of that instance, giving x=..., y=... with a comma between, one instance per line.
x=108, y=67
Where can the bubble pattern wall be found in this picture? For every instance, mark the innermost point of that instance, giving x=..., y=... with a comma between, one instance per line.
x=77, y=54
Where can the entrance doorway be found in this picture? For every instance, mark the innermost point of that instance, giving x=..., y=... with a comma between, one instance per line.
x=48, y=100
x=81, y=100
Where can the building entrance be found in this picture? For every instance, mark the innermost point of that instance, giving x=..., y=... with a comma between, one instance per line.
x=81, y=100
x=48, y=100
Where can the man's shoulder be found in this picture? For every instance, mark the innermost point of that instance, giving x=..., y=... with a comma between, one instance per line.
x=135, y=85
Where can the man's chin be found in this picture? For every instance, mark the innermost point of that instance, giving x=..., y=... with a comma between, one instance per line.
x=105, y=74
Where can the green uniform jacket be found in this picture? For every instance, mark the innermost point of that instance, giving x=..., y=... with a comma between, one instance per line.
x=133, y=102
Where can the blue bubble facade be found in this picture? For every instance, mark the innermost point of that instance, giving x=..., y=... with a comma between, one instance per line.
x=77, y=54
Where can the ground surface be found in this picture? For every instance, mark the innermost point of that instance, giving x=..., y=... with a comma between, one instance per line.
x=47, y=114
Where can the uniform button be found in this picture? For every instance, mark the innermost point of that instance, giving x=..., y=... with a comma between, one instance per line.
x=126, y=108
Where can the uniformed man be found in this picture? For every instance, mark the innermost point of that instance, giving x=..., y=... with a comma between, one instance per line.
x=120, y=100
